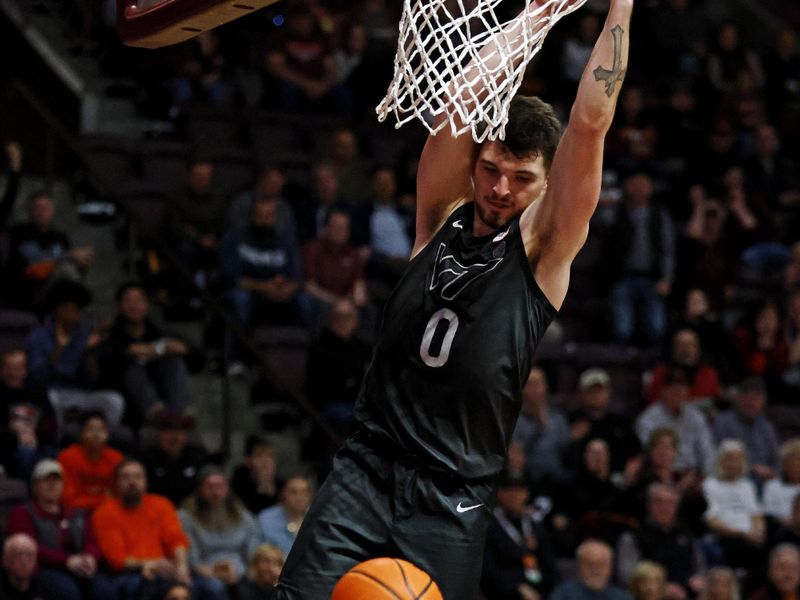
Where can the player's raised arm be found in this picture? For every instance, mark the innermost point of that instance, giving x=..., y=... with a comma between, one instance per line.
x=555, y=228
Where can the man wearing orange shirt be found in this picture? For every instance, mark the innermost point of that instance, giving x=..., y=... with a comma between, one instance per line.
x=89, y=465
x=141, y=539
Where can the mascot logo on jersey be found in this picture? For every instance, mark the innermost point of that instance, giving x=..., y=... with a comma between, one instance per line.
x=450, y=277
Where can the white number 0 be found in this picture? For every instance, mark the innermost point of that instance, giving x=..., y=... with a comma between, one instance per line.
x=430, y=330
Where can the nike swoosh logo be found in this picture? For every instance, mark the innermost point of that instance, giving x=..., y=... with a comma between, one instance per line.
x=463, y=509
x=457, y=224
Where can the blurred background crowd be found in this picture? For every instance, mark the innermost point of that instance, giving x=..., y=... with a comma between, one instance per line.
x=196, y=243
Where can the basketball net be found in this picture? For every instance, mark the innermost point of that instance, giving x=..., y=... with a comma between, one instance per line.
x=464, y=63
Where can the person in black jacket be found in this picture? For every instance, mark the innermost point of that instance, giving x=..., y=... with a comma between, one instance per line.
x=518, y=562
x=139, y=359
x=642, y=250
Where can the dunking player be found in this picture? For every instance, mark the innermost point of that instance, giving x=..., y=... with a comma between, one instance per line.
x=497, y=229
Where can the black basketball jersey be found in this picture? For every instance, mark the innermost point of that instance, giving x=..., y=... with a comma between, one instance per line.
x=455, y=348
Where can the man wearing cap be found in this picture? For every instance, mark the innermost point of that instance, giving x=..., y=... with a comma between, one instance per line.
x=696, y=448
x=594, y=420
x=748, y=424
x=67, y=551
x=173, y=463
x=518, y=562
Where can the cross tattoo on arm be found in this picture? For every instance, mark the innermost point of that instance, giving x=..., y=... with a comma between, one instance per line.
x=617, y=72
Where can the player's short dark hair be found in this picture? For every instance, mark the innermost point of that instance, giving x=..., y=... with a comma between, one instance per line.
x=533, y=129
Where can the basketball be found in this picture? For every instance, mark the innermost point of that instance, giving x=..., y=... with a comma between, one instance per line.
x=386, y=579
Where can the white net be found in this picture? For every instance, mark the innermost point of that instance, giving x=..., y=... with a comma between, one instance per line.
x=455, y=57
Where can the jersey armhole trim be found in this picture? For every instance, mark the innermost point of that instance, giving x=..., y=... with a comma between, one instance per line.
x=537, y=290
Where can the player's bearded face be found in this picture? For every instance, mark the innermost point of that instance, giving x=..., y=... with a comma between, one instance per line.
x=505, y=184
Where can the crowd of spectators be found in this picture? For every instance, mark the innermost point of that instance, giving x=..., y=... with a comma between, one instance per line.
x=689, y=490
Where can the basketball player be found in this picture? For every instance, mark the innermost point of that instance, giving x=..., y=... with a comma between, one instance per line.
x=497, y=229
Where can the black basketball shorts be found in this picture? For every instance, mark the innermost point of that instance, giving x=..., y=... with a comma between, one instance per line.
x=372, y=506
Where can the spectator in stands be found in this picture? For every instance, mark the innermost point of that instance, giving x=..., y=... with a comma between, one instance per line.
x=676, y=36
x=542, y=430
x=18, y=580
x=592, y=500
x=792, y=376
x=782, y=69
x=761, y=342
x=680, y=126
x=748, y=424
x=594, y=420
x=39, y=254
x=13, y=156
x=196, y=220
x=648, y=581
x=734, y=516
x=779, y=494
x=771, y=175
x=141, y=539
x=783, y=574
x=726, y=60
x=262, y=265
x=721, y=584
x=59, y=351
x=173, y=464
x=707, y=249
x=673, y=411
x=686, y=353
x=27, y=425
x=595, y=560
x=271, y=184
x=255, y=482
x=147, y=365
x=62, y=358
x=222, y=532
x=791, y=277
x=642, y=249
x=178, y=591
x=263, y=571
x=67, y=552
x=345, y=156
x=201, y=78
x=311, y=213
x=89, y=464
x=389, y=240
x=789, y=530
x=280, y=523
x=699, y=316
x=662, y=538
x=518, y=561
x=300, y=65
x=337, y=361
x=633, y=138
x=334, y=269
x=577, y=48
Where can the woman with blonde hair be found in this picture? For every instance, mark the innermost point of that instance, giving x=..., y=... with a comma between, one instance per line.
x=779, y=493
x=648, y=581
x=263, y=570
x=734, y=516
x=721, y=584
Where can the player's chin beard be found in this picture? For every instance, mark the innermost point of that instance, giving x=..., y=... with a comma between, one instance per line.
x=491, y=218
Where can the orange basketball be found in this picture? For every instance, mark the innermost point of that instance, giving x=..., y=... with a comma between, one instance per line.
x=386, y=579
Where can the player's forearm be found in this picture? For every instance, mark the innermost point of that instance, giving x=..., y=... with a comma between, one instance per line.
x=602, y=79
